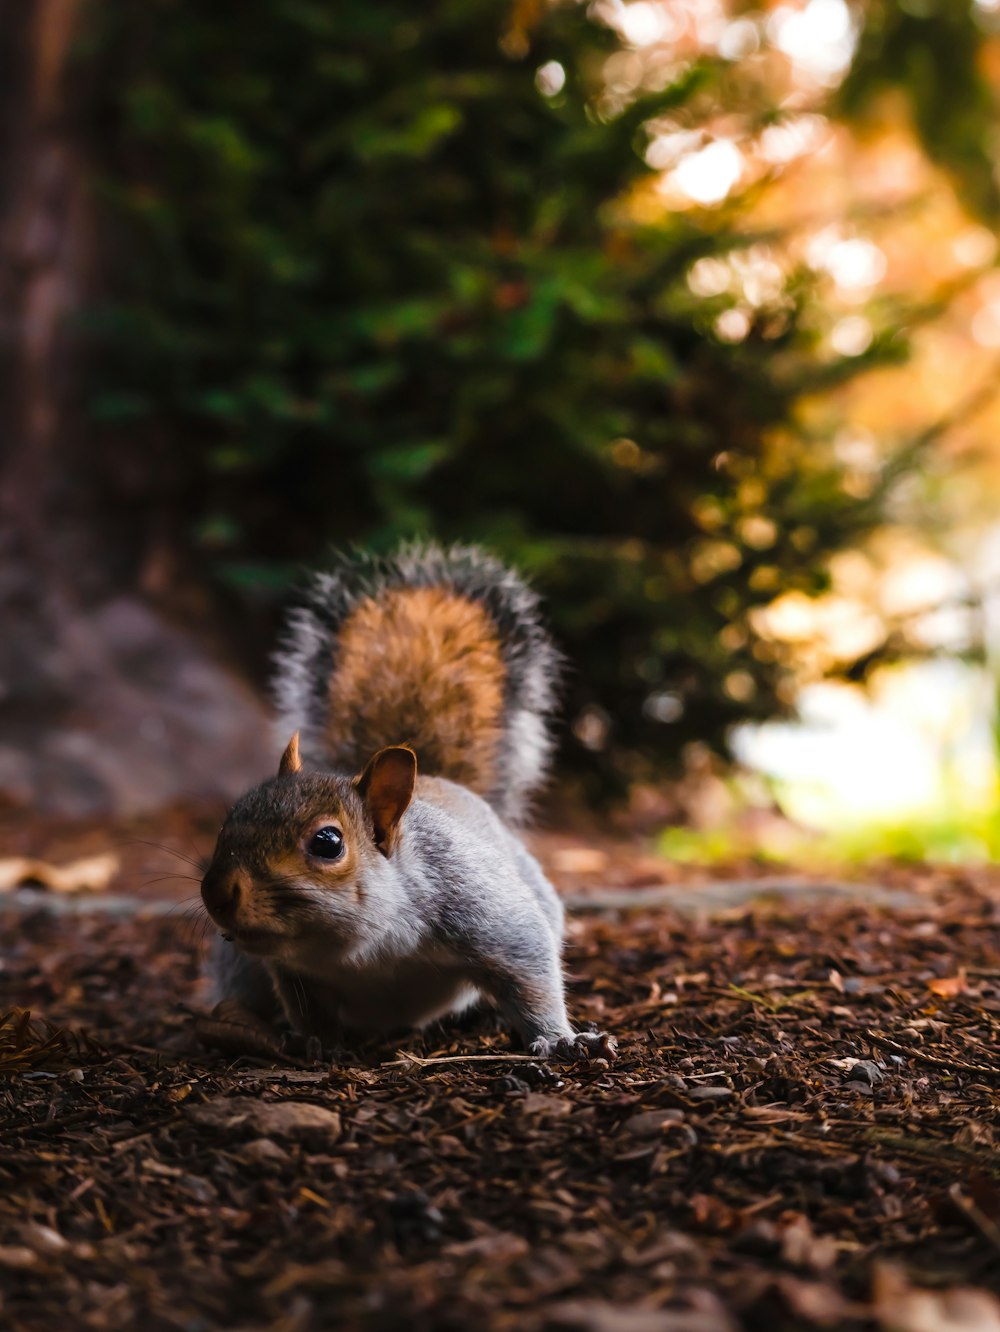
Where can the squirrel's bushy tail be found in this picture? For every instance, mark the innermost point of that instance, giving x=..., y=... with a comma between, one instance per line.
x=440, y=649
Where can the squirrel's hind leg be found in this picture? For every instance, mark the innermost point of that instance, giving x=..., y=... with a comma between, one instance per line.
x=245, y=1007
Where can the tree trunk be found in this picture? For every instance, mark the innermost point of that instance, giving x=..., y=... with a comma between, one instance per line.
x=104, y=704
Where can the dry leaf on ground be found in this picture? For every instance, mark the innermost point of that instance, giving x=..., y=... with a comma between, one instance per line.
x=90, y=874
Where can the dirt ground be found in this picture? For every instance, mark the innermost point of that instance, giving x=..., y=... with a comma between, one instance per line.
x=800, y=1130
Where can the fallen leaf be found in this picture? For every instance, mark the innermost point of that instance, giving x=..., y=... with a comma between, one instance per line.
x=715, y=1215
x=816, y=1301
x=802, y=1247
x=90, y=874
x=545, y=1106
x=948, y=987
x=17, y=1256
x=599, y=1316
x=901, y=1307
x=496, y=1247
x=579, y=860
x=30, y=1043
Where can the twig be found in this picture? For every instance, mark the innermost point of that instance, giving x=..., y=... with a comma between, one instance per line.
x=142, y=1130
x=923, y=1057
x=933, y=1148
x=458, y=1059
x=47, y=1126
x=290, y=1075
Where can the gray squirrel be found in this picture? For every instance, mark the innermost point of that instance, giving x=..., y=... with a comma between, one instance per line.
x=355, y=895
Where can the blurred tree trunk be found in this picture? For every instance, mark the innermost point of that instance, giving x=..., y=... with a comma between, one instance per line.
x=45, y=249
x=103, y=703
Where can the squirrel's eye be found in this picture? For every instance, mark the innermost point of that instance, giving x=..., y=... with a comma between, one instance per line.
x=326, y=844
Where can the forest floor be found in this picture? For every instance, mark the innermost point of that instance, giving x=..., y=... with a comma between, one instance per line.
x=800, y=1130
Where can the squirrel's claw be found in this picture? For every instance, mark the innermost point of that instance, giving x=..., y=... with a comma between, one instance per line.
x=582, y=1046
x=314, y=1053
x=308, y=1049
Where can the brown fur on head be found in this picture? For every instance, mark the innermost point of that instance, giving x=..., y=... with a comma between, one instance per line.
x=292, y=850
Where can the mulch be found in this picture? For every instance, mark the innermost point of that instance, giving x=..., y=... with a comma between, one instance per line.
x=800, y=1132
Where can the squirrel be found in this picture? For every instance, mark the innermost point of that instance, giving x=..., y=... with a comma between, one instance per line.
x=356, y=895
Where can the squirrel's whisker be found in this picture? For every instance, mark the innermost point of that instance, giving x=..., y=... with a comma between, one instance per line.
x=199, y=864
x=301, y=989
x=187, y=906
x=166, y=878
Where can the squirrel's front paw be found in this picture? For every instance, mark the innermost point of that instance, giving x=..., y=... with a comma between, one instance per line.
x=583, y=1045
x=310, y=1048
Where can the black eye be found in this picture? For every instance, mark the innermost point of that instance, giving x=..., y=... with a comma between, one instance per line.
x=326, y=844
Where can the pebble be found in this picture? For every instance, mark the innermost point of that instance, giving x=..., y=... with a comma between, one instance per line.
x=264, y=1151
x=710, y=1093
x=650, y=1123
x=270, y=1119
x=868, y=1071
x=43, y=1239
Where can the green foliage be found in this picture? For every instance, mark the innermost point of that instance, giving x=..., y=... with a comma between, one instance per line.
x=371, y=282
x=956, y=834
x=931, y=51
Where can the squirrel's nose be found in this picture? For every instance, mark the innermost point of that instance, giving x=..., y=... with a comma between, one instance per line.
x=221, y=891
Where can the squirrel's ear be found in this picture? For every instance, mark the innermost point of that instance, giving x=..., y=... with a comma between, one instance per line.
x=290, y=761
x=386, y=787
